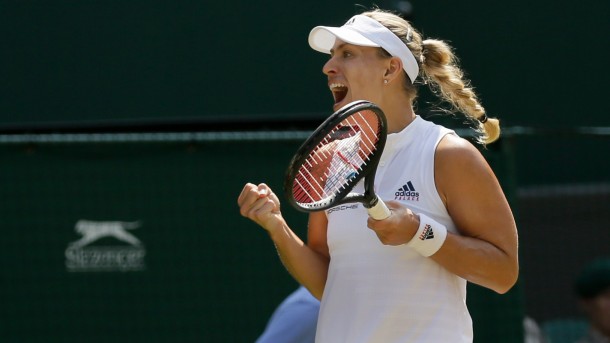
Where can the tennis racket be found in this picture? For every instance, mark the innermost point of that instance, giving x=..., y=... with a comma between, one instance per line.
x=345, y=148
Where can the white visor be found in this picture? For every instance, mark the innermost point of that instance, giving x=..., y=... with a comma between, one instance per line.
x=364, y=31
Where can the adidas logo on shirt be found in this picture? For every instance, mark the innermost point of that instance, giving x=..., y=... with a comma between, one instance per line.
x=407, y=192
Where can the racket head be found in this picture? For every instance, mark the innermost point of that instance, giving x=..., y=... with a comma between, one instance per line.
x=345, y=148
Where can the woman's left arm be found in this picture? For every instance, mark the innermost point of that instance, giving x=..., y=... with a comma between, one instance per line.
x=486, y=252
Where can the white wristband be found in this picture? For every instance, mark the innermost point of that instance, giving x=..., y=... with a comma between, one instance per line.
x=429, y=237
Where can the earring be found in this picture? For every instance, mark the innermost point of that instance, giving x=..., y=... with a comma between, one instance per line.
x=385, y=82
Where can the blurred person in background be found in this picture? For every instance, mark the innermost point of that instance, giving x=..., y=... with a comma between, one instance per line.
x=294, y=320
x=593, y=290
x=532, y=331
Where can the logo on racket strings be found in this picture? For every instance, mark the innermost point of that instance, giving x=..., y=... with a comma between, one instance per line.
x=351, y=175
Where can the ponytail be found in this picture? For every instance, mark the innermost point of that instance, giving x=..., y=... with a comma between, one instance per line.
x=439, y=69
x=446, y=79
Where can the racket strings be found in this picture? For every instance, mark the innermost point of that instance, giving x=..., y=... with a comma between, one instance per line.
x=339, y=157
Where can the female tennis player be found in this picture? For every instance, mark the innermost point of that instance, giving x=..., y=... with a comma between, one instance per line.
x=403, y=278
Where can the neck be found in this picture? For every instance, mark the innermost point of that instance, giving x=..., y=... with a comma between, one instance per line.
x=399, y=114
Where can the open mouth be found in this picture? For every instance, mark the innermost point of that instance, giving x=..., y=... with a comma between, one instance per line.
x=339, y=91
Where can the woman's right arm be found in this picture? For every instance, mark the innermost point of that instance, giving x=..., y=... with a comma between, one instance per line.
x=308, y=264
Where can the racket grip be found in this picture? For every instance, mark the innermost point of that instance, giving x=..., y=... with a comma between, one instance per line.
x=379, y=211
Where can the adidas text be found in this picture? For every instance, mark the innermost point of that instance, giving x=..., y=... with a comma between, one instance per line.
x=407, y=192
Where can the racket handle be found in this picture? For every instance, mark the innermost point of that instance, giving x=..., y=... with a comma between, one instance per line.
x=379, y=211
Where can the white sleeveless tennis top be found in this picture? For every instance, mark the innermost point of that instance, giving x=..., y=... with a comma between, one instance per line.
x=389, y=294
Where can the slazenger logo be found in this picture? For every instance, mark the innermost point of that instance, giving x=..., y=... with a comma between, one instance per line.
x=81, y=255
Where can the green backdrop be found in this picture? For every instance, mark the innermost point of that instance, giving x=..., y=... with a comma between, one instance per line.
x=200, y=272
x=534, y=63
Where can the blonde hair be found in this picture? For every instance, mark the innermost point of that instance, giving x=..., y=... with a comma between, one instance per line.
x=439, y=69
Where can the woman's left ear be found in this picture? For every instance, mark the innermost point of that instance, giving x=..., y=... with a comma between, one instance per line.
x=394, y=68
